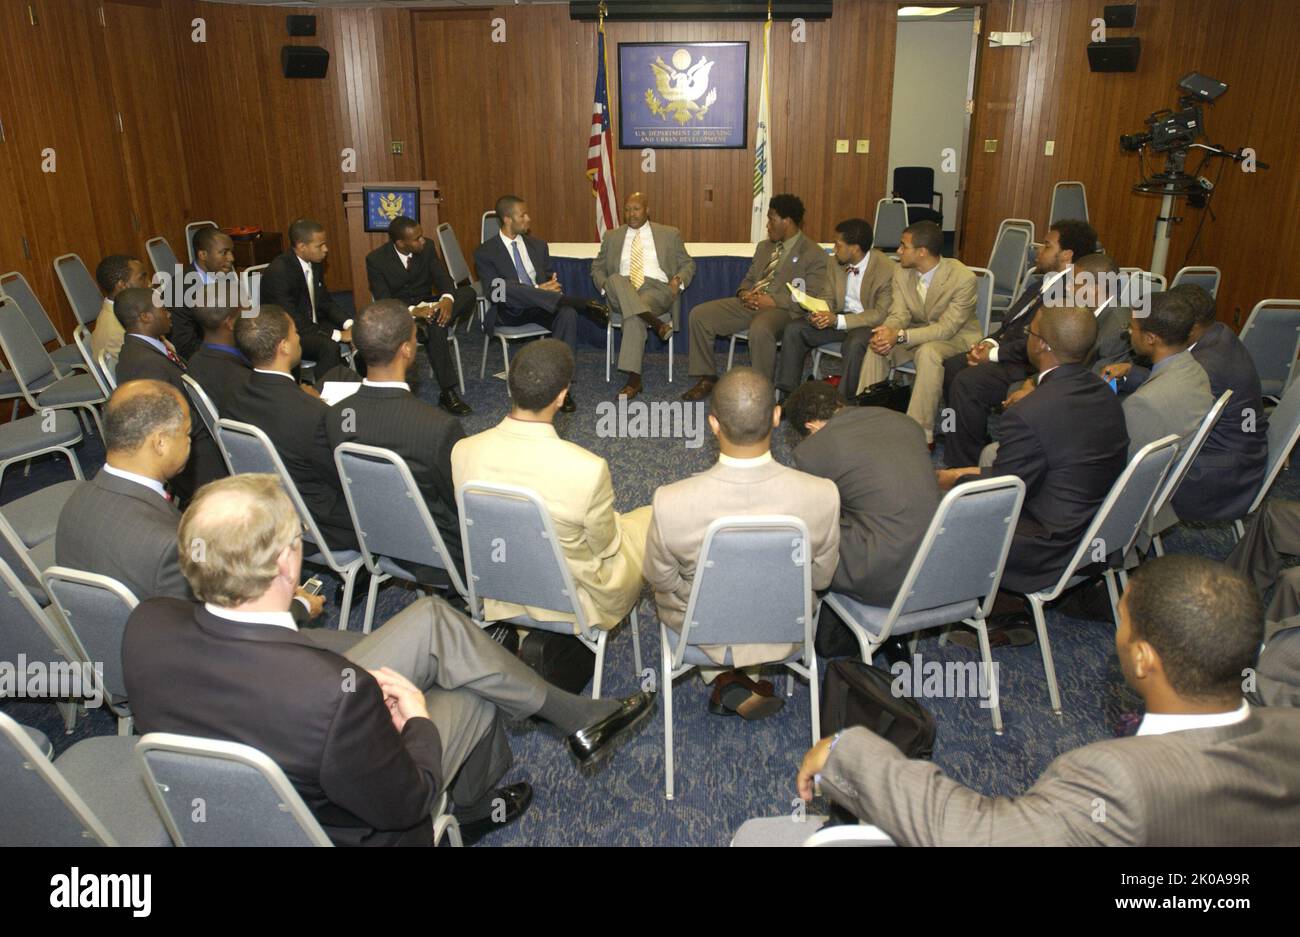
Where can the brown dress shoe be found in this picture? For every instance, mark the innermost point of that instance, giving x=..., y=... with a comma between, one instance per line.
x=703, y=387
x=663, y=330
x=736, y=694
x=632, y=387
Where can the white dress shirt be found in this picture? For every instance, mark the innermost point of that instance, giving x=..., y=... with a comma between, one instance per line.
x=1161, y=723
x=151, y=483
x=278, y=619
x=755, y=462
x=649, y=259
x=523, y=253
x=853, y=292
x=276, y=373
x=311, y=292
x=369, y=383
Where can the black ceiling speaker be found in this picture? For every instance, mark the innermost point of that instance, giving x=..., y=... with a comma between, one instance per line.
x=1115, y=55
x=700, y=10
x=1121, y=15
x=304, y=61
x=301, y=25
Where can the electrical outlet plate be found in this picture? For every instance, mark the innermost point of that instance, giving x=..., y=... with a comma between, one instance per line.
x=990, y=146
x=397, y=146
x=999, y=40
x=841, y=146
x=1049, y=148
x=864, y=146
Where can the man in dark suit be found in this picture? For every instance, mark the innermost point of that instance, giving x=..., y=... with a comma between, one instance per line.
x=211, y=279
x=515, y=270
x=122, y=524
x=295, y=281
x=1204, y=769
x=1066, y=441
x=147, y=355
x=218, y=366
x=977, y=380
x=406, y=268
x=369, y=740
x=386, y=414
x=293, y=418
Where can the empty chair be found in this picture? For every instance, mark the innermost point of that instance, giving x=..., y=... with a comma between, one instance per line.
x=38, y=380
x=95, y=609
x=66, y=357
x=247, y=449
x=891, y=219
x=250, y=285
x=753, y=585
x=1283, y=430
x=81, y=339
x=489, y=226
x=1272, y=336
x=953, y=577
x=504, y=530
x=1161, y=516
x=79, y=286
x=616, y=322
x=1008, y=259
x=392, y=520
x=915, y=186
x=39, y=434
x=190, y=230
x=108, y=369
x=506, y=334
x=786, y=831
x=1207, y=278
x=91, y=795
x=1108, y=538
x=454, y=257
x=36, y=633
x=27, y=528
x=1138, y=286
x=161, y=256
x=1069, y=203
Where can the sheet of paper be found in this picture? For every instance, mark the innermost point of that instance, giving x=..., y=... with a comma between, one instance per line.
x=811, y=303
x=333, y=391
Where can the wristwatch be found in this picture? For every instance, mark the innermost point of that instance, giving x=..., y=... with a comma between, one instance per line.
x=902, y=336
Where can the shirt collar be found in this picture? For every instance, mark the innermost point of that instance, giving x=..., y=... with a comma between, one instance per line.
x=151, y=483
x=529, y=428
x=152, y=341
x=789, y=242
x=369, y=383
x=1160, y=365
x=227, y=349
x=276, y=373
x=755, y=462
x=507, y=241
x=278, y=619
x=1044, y=374
x=861, y=264
x=305, y=264
x=926, y=278
x=1162, y=723
x=404, y=258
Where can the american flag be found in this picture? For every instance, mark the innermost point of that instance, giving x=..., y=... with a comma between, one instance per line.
x=600, y=148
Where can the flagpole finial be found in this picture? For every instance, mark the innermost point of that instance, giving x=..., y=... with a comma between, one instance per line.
x=769, y=10
x=601, y=10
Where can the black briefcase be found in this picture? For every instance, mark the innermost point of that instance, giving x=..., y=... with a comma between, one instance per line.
x=559, y=659
x=858, y=694
x=888, y=394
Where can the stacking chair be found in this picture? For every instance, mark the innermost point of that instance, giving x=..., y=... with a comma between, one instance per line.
x=247, y=449
x=1109, y=537
x=66, y=357
x=201, y=404
x=36, y=633
x=27, y=528
x=1139, y=285
x=741, y=336
x=506, y=334
x=190, y=230
x=1283, y=430
x=1207, y=278
x=503, y=531
x=250, y=285
x=108, y=369
x=616, y=322
x=1272, y=336
x=454, y=257
x=80, y=287
x=81, y=339
x=38, y=434
x=891, y=219
x=1008, y=259
x=786, y=831
x=1069, y=202
x=954, y=575
x=39, y=381
x=489, y=226
x=753, y=585
x=161, y=256
x=91, y=795
x=1161, y=517
x=94, y=610
x=391, y=518
x=915, y=185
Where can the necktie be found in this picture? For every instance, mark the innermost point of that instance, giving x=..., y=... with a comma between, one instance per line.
x=520, y=270
x=853, y=271
x=311, y=291
x=172, y=356
x=636, y=271
x=921, y=288
x=762, y=286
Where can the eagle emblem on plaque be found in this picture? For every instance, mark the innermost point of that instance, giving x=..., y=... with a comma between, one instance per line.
x=679, y=87
x=391, y=205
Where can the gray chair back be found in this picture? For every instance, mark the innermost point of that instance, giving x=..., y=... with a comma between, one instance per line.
x=26, y=628
x=247, y=799
x=1116, y=525
x=891, y=219
x=1190, y=451
x=27, y=357
x=15, y=286
x=1272, y=336
x=1069, y=202
x=1283, y=430
x=505, y=531
x=161, y=256
x=80, y=287
x=1138, y=287
x=983, y=297
x=192, y=229
x=1008, y=258
x=94, y=609
x=108, y=369
x=202, y=405
x=39, y=806
x=753, y=585
x=388, y=510
x=81, y=335
x=490, y=226
x=452, y=255
x=1207, y=278
x=250, y=285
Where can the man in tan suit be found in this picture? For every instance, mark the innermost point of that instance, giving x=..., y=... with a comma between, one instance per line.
x=746, y=480
x=641, y=268
x=931, y=317
x=603, y=548
x=861, y=287
x=115, y=273
x=1205, y=768
x=763, y=303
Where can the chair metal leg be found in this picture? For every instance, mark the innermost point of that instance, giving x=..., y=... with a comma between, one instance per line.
x=460, y=372
x=505, y=356
x=1238, y=529
x=670, y=356
x=990, y=675
x=1040, y=621
x=68, y=710
x=447, y=825
x=349, y=582
x=372, y=595
x=76, y=465
x=789, y=684
x=600, y=664
x=482, y=365
x=666, y=654
x=125, y=725
x=814, y=692
x=609, y=347
x=1159, y=546
x=636, y=643
x=94, y=415
x=731, y=352
x=1113, y=591
x=27, y=468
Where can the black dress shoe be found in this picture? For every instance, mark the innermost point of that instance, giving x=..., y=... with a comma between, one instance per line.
x=569, y=405
x=597, y=313
x=516, y=798
x=594, y=743
x=450, y=401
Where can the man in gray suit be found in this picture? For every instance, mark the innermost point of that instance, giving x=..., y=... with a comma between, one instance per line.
x=1176, y=397
x=763, y=304
x=1205, y=768
x=641, y=268
x=746, y=480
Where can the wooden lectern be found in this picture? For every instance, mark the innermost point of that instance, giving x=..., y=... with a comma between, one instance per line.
x=360, y=242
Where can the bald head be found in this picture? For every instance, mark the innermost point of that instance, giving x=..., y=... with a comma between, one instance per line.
x=636, y=209
x=1070, y=332
x=138, y=410
x=743, y=406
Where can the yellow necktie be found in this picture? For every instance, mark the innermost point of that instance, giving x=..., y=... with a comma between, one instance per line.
x=921, y=288
x=636, y=272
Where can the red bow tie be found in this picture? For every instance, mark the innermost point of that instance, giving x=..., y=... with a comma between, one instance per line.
x=853, y=271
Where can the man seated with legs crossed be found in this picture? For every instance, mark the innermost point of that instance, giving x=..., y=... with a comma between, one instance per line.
x=370, y=730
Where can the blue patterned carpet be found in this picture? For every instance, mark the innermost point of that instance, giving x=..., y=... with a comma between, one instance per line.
x=728, y=770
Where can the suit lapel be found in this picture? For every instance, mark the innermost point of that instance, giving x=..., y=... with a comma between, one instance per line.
x=110, y=483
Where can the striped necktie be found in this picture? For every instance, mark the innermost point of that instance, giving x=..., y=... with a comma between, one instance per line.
x=764, y=285
x=636, y=270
